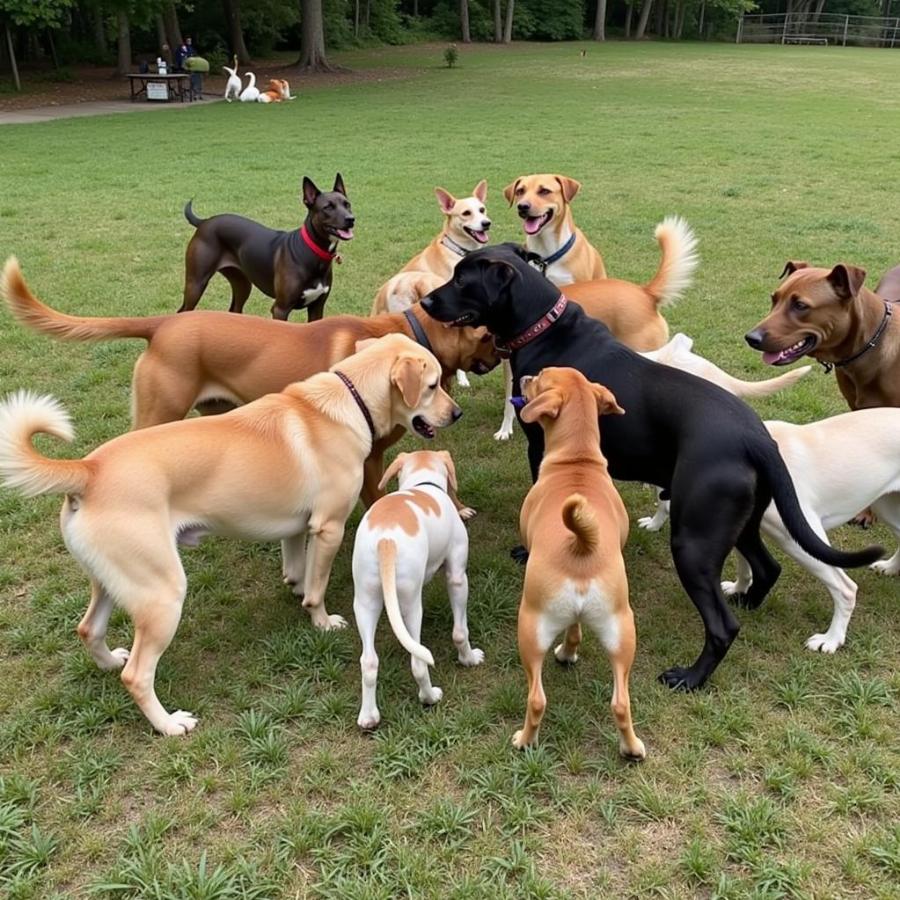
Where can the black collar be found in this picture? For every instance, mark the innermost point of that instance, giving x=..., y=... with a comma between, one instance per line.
x=417, y=329
x=426, y=484
x=870, y=344
x=354, y=393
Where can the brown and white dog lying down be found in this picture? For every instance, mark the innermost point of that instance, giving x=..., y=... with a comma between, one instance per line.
x=632, y=311
x=288, y=467
x=575, y=525
x=278, y=91
x=200, y=357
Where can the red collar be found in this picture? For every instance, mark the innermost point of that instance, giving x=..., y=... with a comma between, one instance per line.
x=539, y=327
x=321, y=252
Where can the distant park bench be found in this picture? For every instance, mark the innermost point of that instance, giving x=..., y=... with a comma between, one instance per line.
x=172, y=86
x=804, y=39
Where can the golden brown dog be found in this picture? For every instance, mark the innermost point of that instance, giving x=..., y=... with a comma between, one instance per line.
x=288, y=467
x=543, y=202
x=575, y=525
x=197, y=357
x=830, y=315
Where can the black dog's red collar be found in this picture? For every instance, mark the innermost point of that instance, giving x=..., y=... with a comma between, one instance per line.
x=539, y=327
x=354, y=393
x=321, y=252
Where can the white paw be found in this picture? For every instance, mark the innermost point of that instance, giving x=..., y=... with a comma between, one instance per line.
x=467, y=513
x=504, y=434
x=729, y=588
x=884, y=567
x=121, y=654
x=635, y=752
x=474, y=657
x=518, y=740
x=824, y=643
x=369, y=722
x=333, y=623
x=429, y=698
x=649, y=523
x=179, y=723
x=462, y=379
x=560, y=653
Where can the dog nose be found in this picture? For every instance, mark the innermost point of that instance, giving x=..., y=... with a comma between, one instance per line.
x=755, y=338
x=486, y=225
x=523, y=207
x=457, y=413
x=351, y=221
x=426, y=302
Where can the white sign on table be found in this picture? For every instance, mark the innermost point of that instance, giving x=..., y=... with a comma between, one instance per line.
x=157, y=90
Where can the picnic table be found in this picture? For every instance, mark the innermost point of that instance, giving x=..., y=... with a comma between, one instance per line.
x=174, y=85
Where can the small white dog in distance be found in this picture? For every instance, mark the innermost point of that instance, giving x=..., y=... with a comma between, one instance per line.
x=250, y=94
x=233, y=88
x=401, y=542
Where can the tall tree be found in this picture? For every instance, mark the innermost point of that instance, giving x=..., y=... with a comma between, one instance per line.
x=123, y=39
x=464, y=21
x=498, y=23
x=173, y=26
x=232, y=10
x=642, y=22
x=507, y=28
x=312, y=38
x=600, y=22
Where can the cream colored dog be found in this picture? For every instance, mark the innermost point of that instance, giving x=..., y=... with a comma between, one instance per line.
x=287, y=467
x=400, y=544
x=574, y=524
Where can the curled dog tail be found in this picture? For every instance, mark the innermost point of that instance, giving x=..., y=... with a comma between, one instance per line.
x=770, y=465
x=23, y=415
x=678, y=246
x=387, y=569
x=579, y=518
x=37, y=316
x=768, y=386
x=189, y=213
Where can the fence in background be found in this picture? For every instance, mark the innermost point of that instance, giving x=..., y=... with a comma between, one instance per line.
x=819, y=28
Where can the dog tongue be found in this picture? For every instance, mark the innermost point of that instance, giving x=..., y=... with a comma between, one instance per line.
x=771, y=358
x=345, y=234
x=480, y=236
x=532, y=224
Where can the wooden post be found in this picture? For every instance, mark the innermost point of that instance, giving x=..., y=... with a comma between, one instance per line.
x=740, y=30
x=784, y=30
x=12, y=58
x=846, y=26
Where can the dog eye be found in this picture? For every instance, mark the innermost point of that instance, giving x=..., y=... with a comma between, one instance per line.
x=467, y=212
x=799, y=306
x=481, y=211
x=520, y=191
x=544, y=191
x=432, y=387
x=329, y=206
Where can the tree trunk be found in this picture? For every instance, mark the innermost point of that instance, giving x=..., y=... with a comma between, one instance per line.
x=628, y=17
x=12, y=58
x=232, y=10
x=98, y=29
x=173, y=26
x=600, y=21
x=660, y=18
x=702, y=14
x=356, y=18
x=123, y=38
x=507, y=28
x=161, y=39
x=415, y=9
x=312, y=38
x=498, y=23
x=52, y=45
x=464, y=21
x=368, y=13
x=642, y=22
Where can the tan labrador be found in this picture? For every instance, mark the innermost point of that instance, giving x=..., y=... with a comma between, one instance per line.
x=288, y=467
x=543, y=203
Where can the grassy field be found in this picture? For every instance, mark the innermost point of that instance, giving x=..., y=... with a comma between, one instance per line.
x=781, y=779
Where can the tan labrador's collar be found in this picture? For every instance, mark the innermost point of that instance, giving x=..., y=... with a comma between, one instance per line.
x=354, y=393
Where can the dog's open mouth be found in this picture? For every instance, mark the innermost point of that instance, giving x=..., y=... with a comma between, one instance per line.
x=480, y=367
x=464, y=319
x=480, y=236
x=345, y=234
x=533, y=224
x=420, y=426
x=789, y=354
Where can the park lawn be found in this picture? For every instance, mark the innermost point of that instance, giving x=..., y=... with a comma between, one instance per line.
x=780, y=779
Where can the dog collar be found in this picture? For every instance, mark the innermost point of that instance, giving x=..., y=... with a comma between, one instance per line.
x=321, y=252
x=873, y=342
x=426, y=484
x=451, y=245
x=417, y=329
x=354, y=393
x=559, y=254
x=539, y=327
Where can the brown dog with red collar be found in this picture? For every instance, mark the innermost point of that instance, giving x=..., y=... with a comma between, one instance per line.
x=830, y=315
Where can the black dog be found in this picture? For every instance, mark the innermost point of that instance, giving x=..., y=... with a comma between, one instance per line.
x=684, y=434
x=294, y=267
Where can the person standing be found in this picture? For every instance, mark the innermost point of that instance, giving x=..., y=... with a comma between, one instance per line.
x=182, y=53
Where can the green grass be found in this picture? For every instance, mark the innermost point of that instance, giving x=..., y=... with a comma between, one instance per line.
x=779, y=780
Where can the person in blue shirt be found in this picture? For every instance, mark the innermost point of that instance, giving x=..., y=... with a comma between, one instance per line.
x=182, y=53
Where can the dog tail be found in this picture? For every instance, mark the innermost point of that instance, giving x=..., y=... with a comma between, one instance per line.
x=770, y=465
x=191, y=216
x=387, y=569
x=23, y=415
x=37, y=316
x=678, y=247
x=579, y=518
x=769, y=386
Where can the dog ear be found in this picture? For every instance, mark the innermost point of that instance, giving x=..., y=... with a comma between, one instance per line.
x=309, y=192
x=451, y=469
x=791, y=266
x=446, y=200
x=408, y=375
x=569, y=186
x=606, y=401
x=510, y=191
x=392, y=470
x=361, y=345
x=497, y=276
x=339, y=184
x=846, y=280
x=480, y=191
x=546, y=404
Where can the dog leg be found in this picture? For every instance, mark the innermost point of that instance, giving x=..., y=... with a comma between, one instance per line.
x=506, y=426
x=316, y=310
x=159, y=395
x=658, y=519
x=293, y=558
x=240, y=289
x=567, y=652
x=744, y=578
x=622, y=658
x=92, y=630
x=531, y=651
x=411, y=609
x=155, y=626
x=763, y=566
x=367, y=611
x=373, y=469
x=325, y=536
x=199, y=266
x=462, y=379
x=887, y=509
x=458, y=591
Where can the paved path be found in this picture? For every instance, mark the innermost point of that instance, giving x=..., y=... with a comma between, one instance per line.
x=95, y=108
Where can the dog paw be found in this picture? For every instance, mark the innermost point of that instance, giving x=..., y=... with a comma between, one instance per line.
x=519, y=554
x=369, y=722
x=329, y=622
x=179, y=723
x=504, y=434
x=885, y=567
x=462, y=379
x=563, y=658
x=121, y=655
x=824, y=643
x=467, y=513
x=519, y=742
x=649, y=523
x=681, y=678
x=430, y=697
x=633, y=752
x=729, y=588
x=474, y=657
